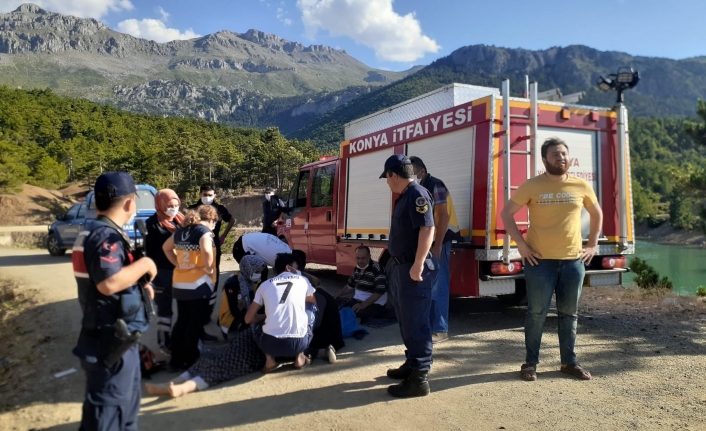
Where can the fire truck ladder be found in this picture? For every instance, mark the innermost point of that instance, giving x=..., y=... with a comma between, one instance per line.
x=507, y=151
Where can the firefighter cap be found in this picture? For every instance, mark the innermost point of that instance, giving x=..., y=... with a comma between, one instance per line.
x=114, y=184
x=394, y=161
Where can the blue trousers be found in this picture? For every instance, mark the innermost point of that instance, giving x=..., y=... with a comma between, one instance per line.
x=113, y=394
x=412, y=302
x=565, y=278
x=440, y=292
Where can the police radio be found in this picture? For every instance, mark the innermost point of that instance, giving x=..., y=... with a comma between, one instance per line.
x=137, y=253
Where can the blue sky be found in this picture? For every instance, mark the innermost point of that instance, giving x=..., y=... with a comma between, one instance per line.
x=398, y=34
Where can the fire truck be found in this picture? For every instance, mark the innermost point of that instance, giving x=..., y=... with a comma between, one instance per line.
x=483, y=144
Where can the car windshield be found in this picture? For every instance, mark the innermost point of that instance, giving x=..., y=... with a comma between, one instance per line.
x=145, y=200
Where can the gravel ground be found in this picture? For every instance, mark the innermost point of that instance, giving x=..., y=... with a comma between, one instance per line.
x=643, y=351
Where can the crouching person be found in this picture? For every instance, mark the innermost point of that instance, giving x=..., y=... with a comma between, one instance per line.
x=290, y=314
x=368, y=285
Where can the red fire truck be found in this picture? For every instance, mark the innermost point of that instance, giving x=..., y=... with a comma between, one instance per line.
x=483, y=144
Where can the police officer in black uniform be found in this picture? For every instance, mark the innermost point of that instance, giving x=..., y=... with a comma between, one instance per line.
x=114, y=313
x=411, y=270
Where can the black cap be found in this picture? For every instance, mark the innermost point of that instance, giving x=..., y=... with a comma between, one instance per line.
x=115, y=184
x=394, y=161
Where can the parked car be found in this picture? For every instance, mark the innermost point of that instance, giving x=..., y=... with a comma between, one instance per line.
x=64, y=231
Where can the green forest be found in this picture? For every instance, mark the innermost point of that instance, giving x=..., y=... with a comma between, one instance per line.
x=47, y=140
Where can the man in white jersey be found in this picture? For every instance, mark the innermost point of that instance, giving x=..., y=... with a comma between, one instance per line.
x=267, y=247
x=290, y=312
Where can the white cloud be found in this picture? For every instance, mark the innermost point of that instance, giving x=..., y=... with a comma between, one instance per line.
x=155, y=29
x=80, y=8
x=163, y=13
x=282, y=16
x=369, y=22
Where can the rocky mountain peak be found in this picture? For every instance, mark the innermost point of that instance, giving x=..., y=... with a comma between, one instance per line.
x=30, y=8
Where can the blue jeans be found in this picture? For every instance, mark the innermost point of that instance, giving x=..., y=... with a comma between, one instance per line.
x=440, y=291
x=565, y=277
x=412, y=302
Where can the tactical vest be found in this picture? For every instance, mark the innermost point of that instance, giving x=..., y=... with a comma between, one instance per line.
x=453, y=232
x=100, y=311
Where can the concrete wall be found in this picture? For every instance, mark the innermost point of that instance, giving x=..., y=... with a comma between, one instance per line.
x=247, y=210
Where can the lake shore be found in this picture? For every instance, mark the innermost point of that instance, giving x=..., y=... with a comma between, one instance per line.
x=667, y=234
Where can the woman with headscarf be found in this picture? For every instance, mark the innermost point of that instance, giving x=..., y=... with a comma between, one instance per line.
x=160, y=227
x=238, y=292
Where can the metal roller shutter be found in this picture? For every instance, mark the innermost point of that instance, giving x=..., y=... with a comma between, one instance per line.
x=369, y=201
x=449, y=157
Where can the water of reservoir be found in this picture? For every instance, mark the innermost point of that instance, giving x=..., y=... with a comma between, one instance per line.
x=684, y=265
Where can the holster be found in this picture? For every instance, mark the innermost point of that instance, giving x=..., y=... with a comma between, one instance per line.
x=122, y=341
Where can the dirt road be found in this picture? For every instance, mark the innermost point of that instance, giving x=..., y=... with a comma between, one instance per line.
x=647, y=372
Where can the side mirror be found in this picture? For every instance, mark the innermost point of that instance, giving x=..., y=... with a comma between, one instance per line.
x=59, y=217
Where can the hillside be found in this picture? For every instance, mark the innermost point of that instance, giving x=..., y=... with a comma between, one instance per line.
x=669, y=88
x=47, y=140
x=225, y=76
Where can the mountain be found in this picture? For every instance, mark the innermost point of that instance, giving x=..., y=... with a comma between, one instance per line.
x=224, y=75
x=668, y=88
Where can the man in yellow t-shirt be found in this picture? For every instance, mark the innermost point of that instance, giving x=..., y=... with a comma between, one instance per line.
x=552, y=254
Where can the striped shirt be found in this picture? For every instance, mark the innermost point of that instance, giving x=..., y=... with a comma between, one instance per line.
x=372, y=279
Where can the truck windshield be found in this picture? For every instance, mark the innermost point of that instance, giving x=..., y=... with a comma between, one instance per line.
x=145, y=200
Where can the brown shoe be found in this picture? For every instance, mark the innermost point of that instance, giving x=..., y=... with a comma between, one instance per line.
x=439, y=337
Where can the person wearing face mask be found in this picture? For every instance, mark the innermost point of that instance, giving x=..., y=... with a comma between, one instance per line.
x=208, y=197
x=238, y=293
x=368, y=284
x=191, y=249
x=271, y=210
x=447, y=231
x=160, y=227
x=111, y=304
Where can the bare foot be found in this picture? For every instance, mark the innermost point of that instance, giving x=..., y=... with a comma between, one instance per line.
x=302, y=361
x=153, y=389
x=270, y=364
x=176, y=390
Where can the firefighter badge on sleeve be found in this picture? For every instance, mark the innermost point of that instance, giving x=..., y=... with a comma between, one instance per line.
x=422, y=205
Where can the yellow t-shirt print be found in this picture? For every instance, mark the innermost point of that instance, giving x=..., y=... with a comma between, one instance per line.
x=555, y=214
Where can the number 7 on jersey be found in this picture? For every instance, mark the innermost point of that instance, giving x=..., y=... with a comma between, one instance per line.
x=289, y=285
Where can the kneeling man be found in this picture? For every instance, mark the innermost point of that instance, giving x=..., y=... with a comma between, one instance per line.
x=290, y=313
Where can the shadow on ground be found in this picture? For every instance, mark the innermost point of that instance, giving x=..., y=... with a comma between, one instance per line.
x=34, y=260
x=484, y=337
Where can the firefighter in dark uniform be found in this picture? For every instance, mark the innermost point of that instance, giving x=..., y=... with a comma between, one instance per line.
x=411, y=271
x=208, y=197
x=114, y=313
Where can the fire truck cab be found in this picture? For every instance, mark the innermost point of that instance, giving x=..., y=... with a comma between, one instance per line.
x=483, y=144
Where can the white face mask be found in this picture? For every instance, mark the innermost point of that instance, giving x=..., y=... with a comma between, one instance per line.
x=268, y=196
x=361, y=267
x=256, y=277
x=171, y=212
x=131, y=220
x=207, y=200
x=299, y=272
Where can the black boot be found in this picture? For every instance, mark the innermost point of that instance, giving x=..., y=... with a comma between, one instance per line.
x=416, y=385
x=400, y=373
